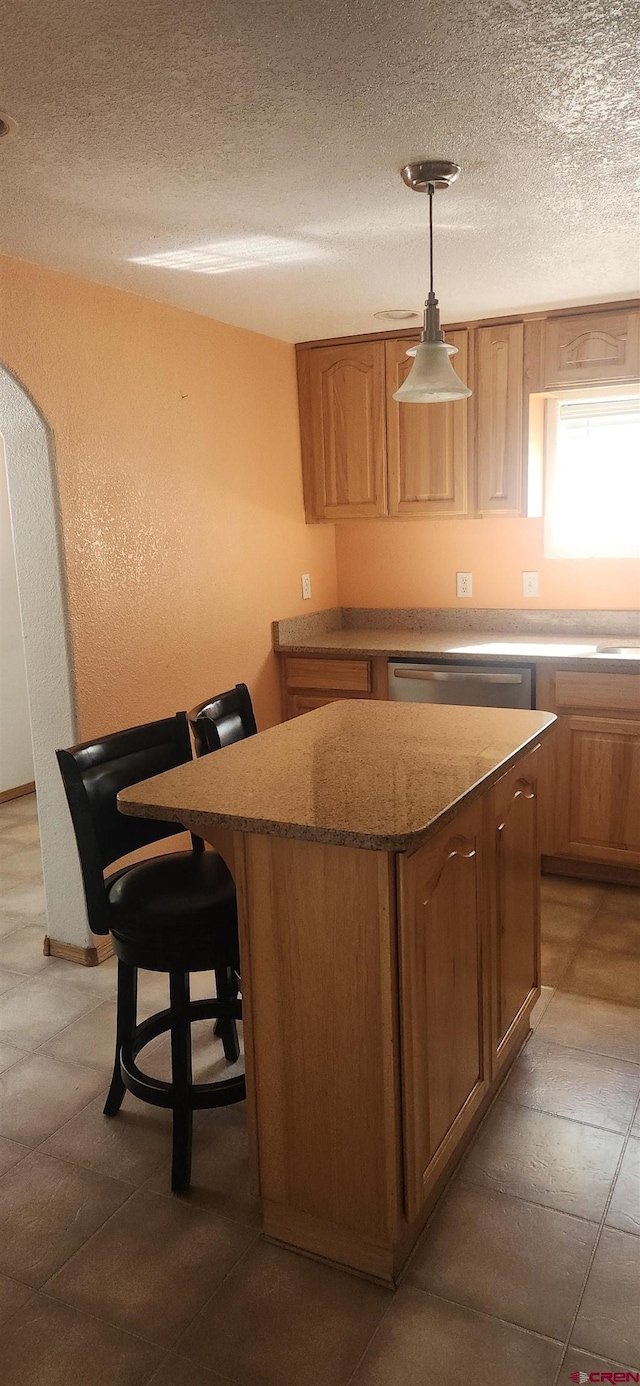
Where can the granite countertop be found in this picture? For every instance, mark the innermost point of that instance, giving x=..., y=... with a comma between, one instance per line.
x=376, y=775
x=464, y=645
x=476, y=634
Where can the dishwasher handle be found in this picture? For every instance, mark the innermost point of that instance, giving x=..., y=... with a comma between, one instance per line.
x=450, y=676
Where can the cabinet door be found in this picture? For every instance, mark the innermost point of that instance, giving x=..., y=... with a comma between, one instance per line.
x=592, y=348
x=512, y=807
x=343, y=430
x=499, y=437
x=599, y=789
x=426, y=444
x=443, y=944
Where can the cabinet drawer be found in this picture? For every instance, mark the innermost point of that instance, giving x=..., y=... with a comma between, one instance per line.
x=598, y=692
x=352, y=675
x=297, y=703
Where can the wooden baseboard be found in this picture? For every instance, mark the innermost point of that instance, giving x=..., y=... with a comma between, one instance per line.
x=72, y=952
x=591, y=870
x=18, y=792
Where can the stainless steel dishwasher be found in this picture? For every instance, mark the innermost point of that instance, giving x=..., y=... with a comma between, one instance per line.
x=470, y=685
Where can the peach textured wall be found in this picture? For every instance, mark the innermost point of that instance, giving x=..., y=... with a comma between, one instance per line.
x=414, y=563
x=181, y=493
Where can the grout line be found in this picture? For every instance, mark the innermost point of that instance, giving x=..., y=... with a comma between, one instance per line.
x=550, y=1208
x=58, y=1299
x=575, y=1049
x=485, y=1314
x=532, y=1202
x=561, y=1116
x=596, y=1244
x=88, y=1313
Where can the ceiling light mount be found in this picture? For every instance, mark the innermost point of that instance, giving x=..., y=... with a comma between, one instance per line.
x=396, y=314
x=425, y=173
x=7, y=124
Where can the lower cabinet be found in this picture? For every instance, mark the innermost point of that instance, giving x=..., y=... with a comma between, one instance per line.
x=592, y=771
x=598, y=789
x=310, y=683
x=512, y=832
x=443, y=983
x=469, y=938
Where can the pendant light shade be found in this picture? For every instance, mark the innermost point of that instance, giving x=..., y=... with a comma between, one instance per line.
x=432, y=379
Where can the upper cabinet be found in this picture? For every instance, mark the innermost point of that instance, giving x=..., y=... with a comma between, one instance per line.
x=426, y=444
x=342, y=418
x=364, y=455
x=498, y=406
x=592, y=349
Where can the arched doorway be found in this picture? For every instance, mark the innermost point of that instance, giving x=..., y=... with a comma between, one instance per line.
x=31, y=476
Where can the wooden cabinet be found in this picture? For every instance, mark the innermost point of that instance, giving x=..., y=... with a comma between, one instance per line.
x=593, y=802
x=364, y=455
x=443, y=981
x=598, y=787
x=343, y=430
x=513, y=843
x=497, y=408
x=310, y=683
x=592, y=349
x=426, y=445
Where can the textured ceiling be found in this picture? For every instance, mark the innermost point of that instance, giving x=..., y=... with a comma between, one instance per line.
x=271, y=134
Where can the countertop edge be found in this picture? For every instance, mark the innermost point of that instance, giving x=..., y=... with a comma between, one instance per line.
x=192, y=820
x=616, y=663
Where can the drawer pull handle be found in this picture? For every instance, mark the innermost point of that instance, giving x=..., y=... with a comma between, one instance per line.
x=438, y=676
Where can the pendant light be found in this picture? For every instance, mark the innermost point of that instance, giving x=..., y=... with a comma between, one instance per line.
x=432, y=377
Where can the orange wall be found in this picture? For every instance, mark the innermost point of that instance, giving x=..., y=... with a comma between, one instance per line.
x=181, y=495
x=413, y=563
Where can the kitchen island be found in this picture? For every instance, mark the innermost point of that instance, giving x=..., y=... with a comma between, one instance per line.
x=386, y=861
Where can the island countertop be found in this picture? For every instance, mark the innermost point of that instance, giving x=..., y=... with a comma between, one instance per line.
x=376, y=775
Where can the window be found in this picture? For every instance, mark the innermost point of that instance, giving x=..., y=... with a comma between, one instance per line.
x=592, y=475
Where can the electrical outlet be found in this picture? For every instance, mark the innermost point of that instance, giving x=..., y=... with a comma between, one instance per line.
x=464, y=584
x=306, y=586
x=529, y=584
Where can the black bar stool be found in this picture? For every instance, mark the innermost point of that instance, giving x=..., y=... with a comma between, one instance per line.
x=221, y=720
x=218, y=722
x=174, y=913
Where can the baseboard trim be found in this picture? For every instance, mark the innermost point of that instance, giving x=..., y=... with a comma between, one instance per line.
x=20, y=789
x=591, y=870
x=73, y=952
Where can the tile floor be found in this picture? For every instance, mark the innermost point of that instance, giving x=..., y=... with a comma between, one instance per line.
x=530, y=1267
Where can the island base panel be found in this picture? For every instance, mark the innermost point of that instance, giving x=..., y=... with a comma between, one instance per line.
x=318, y=937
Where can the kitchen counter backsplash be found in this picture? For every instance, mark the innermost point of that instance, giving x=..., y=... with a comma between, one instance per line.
x=485, y=619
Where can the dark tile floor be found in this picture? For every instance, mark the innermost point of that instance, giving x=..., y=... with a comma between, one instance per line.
x=530, y=1267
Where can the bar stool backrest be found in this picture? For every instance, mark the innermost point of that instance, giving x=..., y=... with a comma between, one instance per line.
x=93, y=774
x=221, y=720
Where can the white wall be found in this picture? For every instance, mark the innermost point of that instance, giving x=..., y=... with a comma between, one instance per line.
x=16, y=756
x=31, y=473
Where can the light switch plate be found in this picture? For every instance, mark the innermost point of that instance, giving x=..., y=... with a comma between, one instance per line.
x=464, y=584
x=529, y=584
x=306, y=586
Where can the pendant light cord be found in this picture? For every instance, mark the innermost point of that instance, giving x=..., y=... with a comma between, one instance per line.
x=431, y=192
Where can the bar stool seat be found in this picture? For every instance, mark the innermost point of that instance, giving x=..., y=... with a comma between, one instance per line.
x=163, y=907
